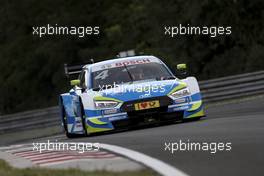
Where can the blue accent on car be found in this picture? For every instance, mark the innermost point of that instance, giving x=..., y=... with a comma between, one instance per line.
x=196, y=97
x=92, y=113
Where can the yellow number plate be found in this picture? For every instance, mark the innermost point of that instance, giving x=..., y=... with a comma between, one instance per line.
x=147, y=105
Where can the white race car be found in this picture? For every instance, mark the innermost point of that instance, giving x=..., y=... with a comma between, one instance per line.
x=127, y=92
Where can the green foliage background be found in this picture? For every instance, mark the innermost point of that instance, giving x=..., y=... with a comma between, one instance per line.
x=32, y=67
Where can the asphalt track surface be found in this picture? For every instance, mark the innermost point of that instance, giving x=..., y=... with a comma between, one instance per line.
x=242, y=124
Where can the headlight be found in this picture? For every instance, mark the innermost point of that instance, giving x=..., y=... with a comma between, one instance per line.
x=105, y=104
x=181, y=93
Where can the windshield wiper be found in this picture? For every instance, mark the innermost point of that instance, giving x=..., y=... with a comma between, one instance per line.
x=129, y=74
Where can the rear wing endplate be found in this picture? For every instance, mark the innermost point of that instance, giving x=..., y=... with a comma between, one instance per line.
x=75, y=69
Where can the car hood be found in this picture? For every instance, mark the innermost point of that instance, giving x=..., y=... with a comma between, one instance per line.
x=140, y=90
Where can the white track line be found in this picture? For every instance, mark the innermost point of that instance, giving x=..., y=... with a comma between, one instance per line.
x=155, y=164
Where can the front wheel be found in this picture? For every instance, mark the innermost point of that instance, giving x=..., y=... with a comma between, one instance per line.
x=83, y=119
x=69, y=135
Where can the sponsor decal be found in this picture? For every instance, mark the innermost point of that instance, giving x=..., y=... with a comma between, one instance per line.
x=180, y=108
x=180, y=100
x=117, y=118
x=144, y=95
x=125, y=63
x=110, y=111
x=147, y=105
x=132, y=62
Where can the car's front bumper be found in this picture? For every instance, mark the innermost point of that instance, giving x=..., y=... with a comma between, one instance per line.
x=178, y=109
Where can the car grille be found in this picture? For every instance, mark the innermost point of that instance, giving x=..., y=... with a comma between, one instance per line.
x=148, y=112
x=143, y=116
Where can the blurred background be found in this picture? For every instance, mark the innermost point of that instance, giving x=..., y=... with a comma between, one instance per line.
x=31, y=68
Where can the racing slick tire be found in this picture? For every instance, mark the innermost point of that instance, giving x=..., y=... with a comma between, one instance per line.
x=83, y=118
x=69, y=135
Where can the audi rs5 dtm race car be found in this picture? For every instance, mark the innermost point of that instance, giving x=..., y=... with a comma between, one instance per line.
x=126, y=92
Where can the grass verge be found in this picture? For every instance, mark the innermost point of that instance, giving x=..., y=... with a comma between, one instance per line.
x=7, y=170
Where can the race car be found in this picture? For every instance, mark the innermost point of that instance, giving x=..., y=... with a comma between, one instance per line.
x=126, y=92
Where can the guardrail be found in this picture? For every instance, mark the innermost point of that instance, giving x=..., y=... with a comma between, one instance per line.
x=230, y=87
x=39, y=118
x=213, y=90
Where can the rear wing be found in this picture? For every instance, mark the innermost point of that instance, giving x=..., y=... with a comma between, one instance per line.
x=75, y=69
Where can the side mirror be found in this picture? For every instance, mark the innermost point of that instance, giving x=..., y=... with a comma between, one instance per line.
x=182, y=68
x=75, y=82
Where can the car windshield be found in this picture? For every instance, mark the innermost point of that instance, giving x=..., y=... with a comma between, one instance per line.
x=130, y=73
